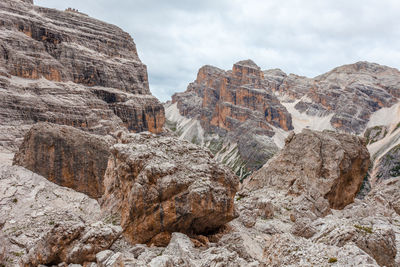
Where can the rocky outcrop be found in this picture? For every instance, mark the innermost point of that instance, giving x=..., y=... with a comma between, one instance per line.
x=237, y=106
x=225, y=99
x=66, y=156
x=70, y=69
x=160, y=184
x=332, y=164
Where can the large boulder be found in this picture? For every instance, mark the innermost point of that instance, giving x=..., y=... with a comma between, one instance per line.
x=332, y=165
x=162, y=184
x=66, y=156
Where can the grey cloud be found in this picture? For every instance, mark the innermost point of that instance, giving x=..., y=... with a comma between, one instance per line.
x=306, y=37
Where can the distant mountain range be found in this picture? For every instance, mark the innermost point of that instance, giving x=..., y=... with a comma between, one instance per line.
x=243, y=115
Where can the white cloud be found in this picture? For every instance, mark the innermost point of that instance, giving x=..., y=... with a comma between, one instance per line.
x=307, y=37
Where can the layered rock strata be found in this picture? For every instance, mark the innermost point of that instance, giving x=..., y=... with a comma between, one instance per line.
x=68, y=68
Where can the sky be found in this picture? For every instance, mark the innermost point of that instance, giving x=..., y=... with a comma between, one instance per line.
x=174, y=38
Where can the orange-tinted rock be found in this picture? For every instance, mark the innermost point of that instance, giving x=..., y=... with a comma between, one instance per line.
x=231, y=97
x=239, y=108
x=66, y=156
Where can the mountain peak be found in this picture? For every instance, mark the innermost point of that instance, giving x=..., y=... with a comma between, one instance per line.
x=247, y=63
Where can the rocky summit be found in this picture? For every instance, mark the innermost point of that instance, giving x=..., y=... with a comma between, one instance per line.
x=89, y=175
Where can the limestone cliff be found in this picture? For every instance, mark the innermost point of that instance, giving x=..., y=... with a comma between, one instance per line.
x=67, y=68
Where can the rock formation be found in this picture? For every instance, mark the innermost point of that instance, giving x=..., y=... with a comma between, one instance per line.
x=344, y=99
x=238, y=106
x=332, y=164
x=160, y=184
x=67, y=68
x=66, y=156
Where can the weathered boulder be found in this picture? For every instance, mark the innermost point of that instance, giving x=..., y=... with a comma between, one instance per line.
x=332, y=165
x=162, y=184
x=66, y=156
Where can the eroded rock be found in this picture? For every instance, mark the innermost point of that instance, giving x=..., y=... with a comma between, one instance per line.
x=161, y=184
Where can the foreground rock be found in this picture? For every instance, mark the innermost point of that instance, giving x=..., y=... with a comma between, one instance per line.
x=70, y=69
x=43, y=223
x=66, y=156
x=326, y=164
x=161, y=184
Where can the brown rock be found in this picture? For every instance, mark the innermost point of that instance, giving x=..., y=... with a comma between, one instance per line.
x=161, y=184
x=329, y=164
x=160, y=240
x=66, y=156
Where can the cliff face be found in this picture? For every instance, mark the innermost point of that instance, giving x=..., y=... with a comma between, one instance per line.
x=67, y=68
x=226, y=99
x=238, y=106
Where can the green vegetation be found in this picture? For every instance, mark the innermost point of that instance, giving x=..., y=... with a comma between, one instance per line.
x=332, y=260
x=15, y=200
x=113, y=219
x=51, y=223
x=215, y=145
x=364, y=228
x=195, y=140
x=373, y=133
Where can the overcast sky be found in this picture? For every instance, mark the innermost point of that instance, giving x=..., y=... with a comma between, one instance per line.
x=307, y=37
